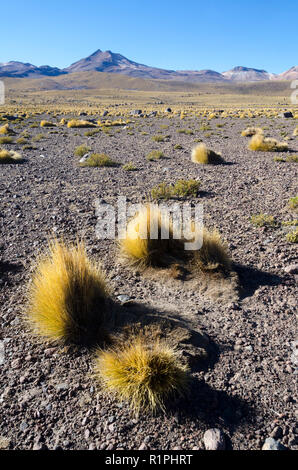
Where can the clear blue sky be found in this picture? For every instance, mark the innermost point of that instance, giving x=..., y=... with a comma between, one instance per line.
x=189, y=34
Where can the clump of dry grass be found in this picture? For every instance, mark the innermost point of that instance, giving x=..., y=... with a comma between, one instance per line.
x=263, y=220
x=146, y=375
x=7, y=157
x=213, y=255
x=292, y=236
x=47, y=124
x=6, y=130
x=201, y=154
x=99, y=160
x=155, y=155
x=81, y=150
x=293, y=203
x=295, y=132
x=6, y=140
x=250, y=131
x=259, y=143
x=67, y=297
x=140, y=247
x=292, y=159
x=77, y=123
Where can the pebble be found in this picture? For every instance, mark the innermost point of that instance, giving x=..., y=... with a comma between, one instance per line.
x=291, y=269
x=124, y=298
x=272, y=444
x=2, y=353
x=214, y=440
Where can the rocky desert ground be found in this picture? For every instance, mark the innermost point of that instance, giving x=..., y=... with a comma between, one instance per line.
x=245, y=386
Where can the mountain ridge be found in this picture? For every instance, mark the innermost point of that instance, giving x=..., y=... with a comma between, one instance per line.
x=110, y=62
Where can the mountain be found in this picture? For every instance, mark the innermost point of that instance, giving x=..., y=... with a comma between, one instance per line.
x=21, y=70
x=291, y=74
x=109, y=62
x=245, y=74
x=113, y=63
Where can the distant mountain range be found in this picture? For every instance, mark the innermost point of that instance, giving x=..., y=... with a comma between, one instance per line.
x=111, y=62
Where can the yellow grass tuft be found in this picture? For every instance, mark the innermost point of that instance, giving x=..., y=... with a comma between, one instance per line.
x=67, y=297
x=250, y=131
x=295, y=133
x=201, y=154
x=146, y=375
x=140, y=248
x=76, y=123
x=214, y=253
x=9, y=157
x=47, y=124
x=259, y=143
x=6, y=130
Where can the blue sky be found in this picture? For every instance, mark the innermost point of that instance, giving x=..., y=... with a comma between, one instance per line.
x=185, y=35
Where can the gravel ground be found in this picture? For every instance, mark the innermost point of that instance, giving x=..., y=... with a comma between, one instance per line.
x=246, y=388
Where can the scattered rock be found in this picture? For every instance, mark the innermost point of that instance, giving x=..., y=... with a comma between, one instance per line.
x=291, y=269
x=272, y=444
x=214, y=440
x=2, y=353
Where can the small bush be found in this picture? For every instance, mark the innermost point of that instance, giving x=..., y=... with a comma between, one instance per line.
x=259, y=143
x=292, y=159
x=185, y=131
x=146, y=375
x=129, y=167
x=91, y=133
x=178, y=147
x=47, y=124
x=292, y=236
x=162, y=191
x=138, y=248
x=293, y=203
x=263, y=220
x=201, y=154
x=81, y=151
x=279, y=159
x=250, y=131
x=158, y=138
x=38, y=137
x=213, y=255
x=99, y=160
x=7, y=157
x=6, y=130
x=67, y=297
x=76, y=123
x=155, y=155
x=6, y=140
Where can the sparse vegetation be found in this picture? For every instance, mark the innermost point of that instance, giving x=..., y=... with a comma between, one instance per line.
x=76, y=123
x=292, y=159
x=259, y=143
x=213, y=255
x=201, y=154
x=250, y=131
x=140, y=248
x=81, y=151
x=263, y=220
x=143, y=374
x=47, y=124
x=293, y=203
x=182, y=188
x=155, y=155
x=99, y=160
x=7, y=157
x=292, y=236
x=129, y=166
x=67, y=298
x=6, y=140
